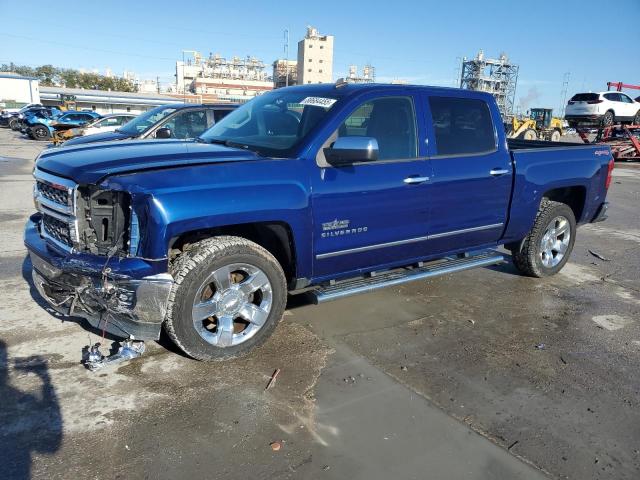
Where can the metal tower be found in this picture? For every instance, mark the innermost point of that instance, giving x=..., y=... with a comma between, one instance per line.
x=496, y=76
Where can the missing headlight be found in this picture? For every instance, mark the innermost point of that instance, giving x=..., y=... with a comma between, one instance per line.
x=103, y=220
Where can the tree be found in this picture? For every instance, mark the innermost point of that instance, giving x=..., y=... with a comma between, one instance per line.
x=50, y=76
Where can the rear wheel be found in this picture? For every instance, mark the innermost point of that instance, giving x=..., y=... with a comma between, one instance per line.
x=530, y=134
x=40, y=133
x=555, y=136
x=547, y=247
x=14, y=124
x=229, y=295
x=607, y=119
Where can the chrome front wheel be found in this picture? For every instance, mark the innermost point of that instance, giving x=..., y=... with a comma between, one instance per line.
x=232, y=304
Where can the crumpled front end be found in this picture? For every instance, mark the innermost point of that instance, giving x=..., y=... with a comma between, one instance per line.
x=61, y=136
x=125, y=307
x=83, y=245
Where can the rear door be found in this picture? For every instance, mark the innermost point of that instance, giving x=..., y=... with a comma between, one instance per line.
x=375, y=213
x=470, y=188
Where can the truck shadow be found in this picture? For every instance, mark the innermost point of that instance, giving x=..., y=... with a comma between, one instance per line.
x=29, y=422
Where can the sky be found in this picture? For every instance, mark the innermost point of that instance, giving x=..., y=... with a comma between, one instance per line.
x=421, y=41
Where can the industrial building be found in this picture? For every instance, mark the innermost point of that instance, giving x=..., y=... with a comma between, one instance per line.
x=315, y=58
x=368, y=74
x=285, y=73
x=17, y=90
x=496, y=76
x=103, y=101
x=221, y=79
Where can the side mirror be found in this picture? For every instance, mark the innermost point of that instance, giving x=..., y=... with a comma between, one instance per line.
x=163, y=132
x=346, y=150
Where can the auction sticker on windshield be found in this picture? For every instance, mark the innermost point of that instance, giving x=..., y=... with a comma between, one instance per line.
x=318, y=102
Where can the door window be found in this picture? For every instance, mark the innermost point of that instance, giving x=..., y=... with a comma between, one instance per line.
x=625, y=99
x=462, y=126
x=109, y=122
x=391, y=121
x=612, y=97
x=187, y=124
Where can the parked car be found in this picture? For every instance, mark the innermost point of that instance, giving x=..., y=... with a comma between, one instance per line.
x=303, y=189
x=43, y=129
x=602, y=109
x=16, y=110
x=107, y=123
x=166, y=121
x=14, y=120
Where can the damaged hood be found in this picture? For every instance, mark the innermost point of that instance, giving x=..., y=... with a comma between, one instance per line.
x=88, y=164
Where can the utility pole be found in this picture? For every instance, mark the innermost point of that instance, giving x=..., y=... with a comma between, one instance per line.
x=158, y=83
x=286, y=57
x=563, y=93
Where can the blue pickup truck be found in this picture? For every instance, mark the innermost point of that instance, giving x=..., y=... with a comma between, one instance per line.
x=327, y=190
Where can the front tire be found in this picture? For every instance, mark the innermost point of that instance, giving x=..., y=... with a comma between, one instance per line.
x=229, y=294
x=636, y=119
x=547, y=247
x=530, y=134
x=40, y=133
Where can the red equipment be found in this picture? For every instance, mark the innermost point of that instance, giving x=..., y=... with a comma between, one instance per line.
x=624, y=140
x=619, y=86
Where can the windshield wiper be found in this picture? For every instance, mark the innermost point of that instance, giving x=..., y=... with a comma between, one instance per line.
x=232, y=144
x=228, y=143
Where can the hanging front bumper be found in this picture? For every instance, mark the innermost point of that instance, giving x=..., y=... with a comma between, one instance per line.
x=119, y=303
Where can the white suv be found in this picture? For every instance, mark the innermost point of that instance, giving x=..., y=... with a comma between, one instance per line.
x=604, y=108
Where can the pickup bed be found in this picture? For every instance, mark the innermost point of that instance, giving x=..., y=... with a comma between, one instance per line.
x=327, y=190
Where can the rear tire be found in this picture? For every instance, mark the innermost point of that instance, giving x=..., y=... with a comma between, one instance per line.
x=608, y=119
x=547, y=247
x=219, y=283
x=14, y=124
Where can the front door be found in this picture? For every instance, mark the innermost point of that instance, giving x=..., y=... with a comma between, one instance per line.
x=471, y=183
x=373, y=213
x=629, y=108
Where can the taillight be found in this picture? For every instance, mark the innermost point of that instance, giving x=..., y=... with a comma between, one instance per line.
x=609, y=174
x=592, y=102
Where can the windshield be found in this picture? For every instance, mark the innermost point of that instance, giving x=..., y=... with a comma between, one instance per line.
x=146, y=120
x=273, y=123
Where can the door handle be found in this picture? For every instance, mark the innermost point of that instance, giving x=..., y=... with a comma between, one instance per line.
x=414, y=180
x=496, y=172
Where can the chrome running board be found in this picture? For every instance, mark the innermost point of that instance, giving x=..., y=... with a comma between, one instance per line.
x=389, y=278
